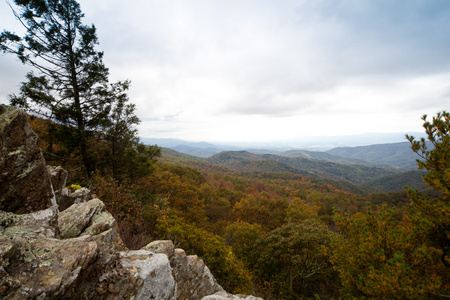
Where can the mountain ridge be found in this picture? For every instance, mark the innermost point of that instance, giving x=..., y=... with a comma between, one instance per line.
x=243, y=160
x=395, y=154
x=384, y=155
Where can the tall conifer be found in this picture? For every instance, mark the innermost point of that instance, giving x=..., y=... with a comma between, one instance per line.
x=71, y=86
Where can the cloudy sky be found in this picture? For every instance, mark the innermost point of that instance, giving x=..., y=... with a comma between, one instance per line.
x=254, y=70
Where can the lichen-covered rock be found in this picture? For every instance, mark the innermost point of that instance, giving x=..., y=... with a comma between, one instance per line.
x=25, y=184
x=91, y=261
x=35, y=268
x=67, y=198
x=166, y=247
x=100, y=222
x=153, y=274
x=76, y=219
x=58, y=177
x=193, y=277
x=38, y=224
x=34, y=263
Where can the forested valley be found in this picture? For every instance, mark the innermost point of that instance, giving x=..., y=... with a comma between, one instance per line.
x=275, y=233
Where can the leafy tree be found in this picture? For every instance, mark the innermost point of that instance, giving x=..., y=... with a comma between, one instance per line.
x=292, y=261
x=120, y=154
x=242, y=237
x=269, y=213
x=227, y=269
x=436, y=161
x=300, y=210
x=72, y=85
x=136, y=219
x=378, y=257
x=179, y=186
x=219, y=213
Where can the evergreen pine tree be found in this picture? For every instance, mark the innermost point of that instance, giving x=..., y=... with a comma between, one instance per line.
x=71, y=87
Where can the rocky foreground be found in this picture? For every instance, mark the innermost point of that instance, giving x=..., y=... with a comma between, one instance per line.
x=55, y=244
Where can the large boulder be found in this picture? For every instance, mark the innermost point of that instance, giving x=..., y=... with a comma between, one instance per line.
x=58, y=177
x=194, y=278
x=166, y=247
x=153, y=272
x=25, y=184
x=34, y=262
x=84, y=216
x=66, y=197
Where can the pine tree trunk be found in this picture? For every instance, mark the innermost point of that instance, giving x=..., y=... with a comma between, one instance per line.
x=78, y=110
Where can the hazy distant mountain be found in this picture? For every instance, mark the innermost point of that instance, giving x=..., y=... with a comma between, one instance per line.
x=174, y=153
x=263, y=151
x=396, y=154
x=170, y=143
x=320, y=155
x=197, y=151
x=204, y=149
x=322, y=143
x=200, y=149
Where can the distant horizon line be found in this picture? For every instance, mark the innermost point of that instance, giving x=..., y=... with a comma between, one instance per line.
x=318, y=143
x=290, y=139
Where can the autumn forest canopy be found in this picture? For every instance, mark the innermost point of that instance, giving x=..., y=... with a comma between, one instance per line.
x=281, y=227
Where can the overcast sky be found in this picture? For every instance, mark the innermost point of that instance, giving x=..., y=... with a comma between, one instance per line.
x=241, y=70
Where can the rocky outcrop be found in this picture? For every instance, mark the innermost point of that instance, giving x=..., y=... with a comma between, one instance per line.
x=152, y=273
x=25, y=184
x=81, y=219
x=194, y=279
x=65, y=197
x=58, y=177
x=77, y=252
x=36, y=262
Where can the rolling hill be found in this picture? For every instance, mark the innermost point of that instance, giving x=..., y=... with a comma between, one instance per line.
x=325, y=156
x=246, y=161
x=397, y=155
x=397, y=182
x=335, y=169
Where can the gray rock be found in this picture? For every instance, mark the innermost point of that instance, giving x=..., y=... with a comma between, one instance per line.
x=38, y=224
x=66, y=198
x=25, y=184
x=91, y=261
x=58, y=177
x=193, y=277
x=155, y=279
x=77, y=218
x=100, y=222
x=165, y=247
x=34, y=263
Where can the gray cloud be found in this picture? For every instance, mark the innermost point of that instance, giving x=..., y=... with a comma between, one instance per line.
x=279, y=59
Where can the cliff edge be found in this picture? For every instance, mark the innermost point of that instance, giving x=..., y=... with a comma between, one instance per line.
x=55, y=248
